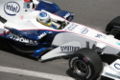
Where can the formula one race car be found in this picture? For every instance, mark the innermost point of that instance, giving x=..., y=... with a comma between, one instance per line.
x=45, y=35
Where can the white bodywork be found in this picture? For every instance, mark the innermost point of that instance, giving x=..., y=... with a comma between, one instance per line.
x=27, y=21
x=112, y=71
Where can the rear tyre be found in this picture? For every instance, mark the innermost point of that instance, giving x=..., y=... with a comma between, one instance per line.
x=85, y=64
x=114, y=27
x=115, y=22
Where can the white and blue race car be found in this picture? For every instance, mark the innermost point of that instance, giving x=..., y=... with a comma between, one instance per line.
x=92, y=54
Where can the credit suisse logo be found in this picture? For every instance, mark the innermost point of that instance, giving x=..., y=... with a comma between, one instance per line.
x=11, y=8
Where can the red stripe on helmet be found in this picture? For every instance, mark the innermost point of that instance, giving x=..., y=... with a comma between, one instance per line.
x=27, y=0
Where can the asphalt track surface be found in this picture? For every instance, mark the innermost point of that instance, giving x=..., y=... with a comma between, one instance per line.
x=93, y=13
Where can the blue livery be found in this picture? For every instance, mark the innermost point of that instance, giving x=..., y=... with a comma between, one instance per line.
x=54, y=8
x=40, y=40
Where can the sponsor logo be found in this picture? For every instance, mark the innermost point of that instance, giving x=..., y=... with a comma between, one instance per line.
x=99, y=36
x=42, y=35
x=11, y=8
x=117, y=66
x=85, y=31
x=22, y=39
x=69, y=49
x=71, y=27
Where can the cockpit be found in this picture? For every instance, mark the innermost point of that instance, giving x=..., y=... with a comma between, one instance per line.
x=51, y=20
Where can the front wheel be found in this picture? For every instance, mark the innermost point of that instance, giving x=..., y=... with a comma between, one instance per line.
x=85, y=64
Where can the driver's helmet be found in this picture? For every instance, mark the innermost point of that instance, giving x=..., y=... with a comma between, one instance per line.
x=43, y=17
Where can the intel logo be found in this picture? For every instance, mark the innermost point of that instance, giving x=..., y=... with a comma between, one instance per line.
x=11, y=8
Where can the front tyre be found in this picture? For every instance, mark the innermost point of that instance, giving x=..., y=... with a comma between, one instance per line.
x=85, y=64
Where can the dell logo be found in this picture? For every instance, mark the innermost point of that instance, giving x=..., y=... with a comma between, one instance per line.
x=11, y=8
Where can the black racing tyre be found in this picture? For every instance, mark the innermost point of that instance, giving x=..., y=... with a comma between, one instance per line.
x=85, y=64
x=115, y=23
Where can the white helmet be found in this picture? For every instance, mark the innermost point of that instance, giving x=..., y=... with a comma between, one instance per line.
x=43, y=17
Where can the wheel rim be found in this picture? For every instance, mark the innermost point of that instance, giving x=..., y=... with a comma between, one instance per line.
x=81, y=68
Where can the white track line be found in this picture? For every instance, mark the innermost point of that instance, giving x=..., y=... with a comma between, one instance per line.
x=33, y=73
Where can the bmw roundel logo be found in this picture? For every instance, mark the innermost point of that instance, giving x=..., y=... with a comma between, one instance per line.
x=117, y=66
x=11, y=8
